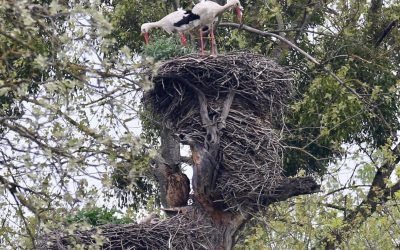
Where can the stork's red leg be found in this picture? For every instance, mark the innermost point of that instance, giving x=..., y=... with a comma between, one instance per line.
x=201, y=42
x=183, y=39
x=213, y=50
x=239, y=15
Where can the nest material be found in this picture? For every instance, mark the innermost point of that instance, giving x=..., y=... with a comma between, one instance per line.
x=189, y=230
x=250, y=136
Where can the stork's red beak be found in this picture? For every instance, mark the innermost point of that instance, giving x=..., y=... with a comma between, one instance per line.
x=146, y=37
x=239, y=14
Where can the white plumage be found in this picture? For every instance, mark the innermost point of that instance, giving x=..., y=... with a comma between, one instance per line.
x=208, y=12
x=176, y=22
x=203, y=14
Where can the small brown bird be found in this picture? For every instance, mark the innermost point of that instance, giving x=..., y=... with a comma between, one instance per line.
x=178, y=189
x=174, y=185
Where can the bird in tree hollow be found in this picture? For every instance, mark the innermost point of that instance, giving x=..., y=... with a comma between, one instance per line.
x=208, y=12
x=178, y=189
x=178, y=21
x=174, y=185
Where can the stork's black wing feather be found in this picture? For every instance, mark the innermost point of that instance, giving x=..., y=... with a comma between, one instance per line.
x=189, y=17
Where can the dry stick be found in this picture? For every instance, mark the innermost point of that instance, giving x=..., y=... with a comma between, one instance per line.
x=264, y=33
x=227, y=107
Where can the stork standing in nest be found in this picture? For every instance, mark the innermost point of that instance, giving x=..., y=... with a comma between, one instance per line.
x=208, y=11
x=178, y=21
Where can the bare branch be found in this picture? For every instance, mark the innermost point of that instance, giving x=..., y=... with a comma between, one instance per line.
x=267, y=34
x=226, y=107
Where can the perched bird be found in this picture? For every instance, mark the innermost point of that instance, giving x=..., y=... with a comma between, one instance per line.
x=178, y=189
x=208, y=12
x=176, y=22
x=174, y=185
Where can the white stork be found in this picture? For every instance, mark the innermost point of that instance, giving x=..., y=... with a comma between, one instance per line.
x=208, y=12
x=178, y=21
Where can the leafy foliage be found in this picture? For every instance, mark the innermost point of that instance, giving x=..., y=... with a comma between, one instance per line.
x=151, y=130
x=133, y=184
x=98, y=216
x=19, y=64
x=61, y=114
x=165, y=48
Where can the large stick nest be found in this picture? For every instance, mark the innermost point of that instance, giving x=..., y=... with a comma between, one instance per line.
x=250, y=140
x=190, y=230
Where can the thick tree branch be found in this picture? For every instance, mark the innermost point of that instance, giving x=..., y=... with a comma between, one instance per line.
x=375, y=7
x=277, y=51
x=293, y=187
x=386, y=32
x=379, y=193
x=170, y=150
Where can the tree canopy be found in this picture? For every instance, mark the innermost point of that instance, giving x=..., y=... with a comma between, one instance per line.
x=75, y=137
